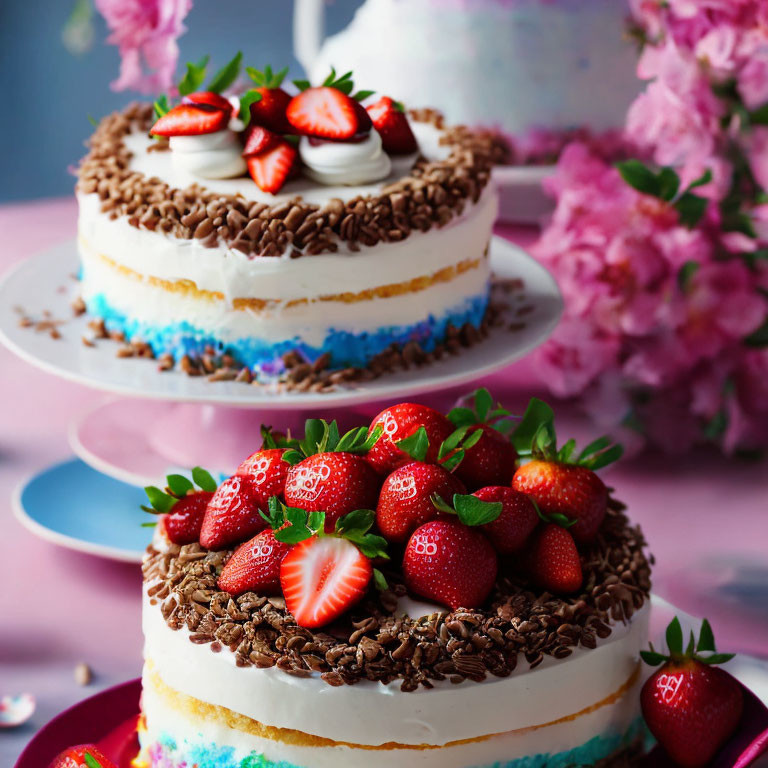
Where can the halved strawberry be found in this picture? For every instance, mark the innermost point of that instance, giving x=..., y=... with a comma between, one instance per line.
x=271, y=169
x=392, y=125
x=209, y=99
x=255, y=566
x=267, y=472
x=232, y=514
x=258, y=139
x=405, y=499
x=324, y=112
x=322, y=577
x=191, y=120
x=88, y=755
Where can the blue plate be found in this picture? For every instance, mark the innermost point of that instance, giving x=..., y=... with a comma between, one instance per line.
x=74, y=506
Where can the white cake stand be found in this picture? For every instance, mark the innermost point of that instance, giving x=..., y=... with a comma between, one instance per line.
x=172, y=421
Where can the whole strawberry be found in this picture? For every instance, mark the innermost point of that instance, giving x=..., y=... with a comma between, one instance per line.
x=690, y=706
x=405, y=499
x=490, y=457
x=418, y=429
x=255, y=566
x=269, y=109
x=267, y=472
x=511, y=529
x=181, y=506
x=390, y=121
x=560, y=483
x=450, y=563
x=88, y=755
x=328, y=474
x=233, y=514
x=552, y=560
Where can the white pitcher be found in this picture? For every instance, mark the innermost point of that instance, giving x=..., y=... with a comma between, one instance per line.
x=552, y=64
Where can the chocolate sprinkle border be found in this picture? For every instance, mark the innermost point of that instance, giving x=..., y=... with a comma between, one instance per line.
x=371, y=643
x=432, y=195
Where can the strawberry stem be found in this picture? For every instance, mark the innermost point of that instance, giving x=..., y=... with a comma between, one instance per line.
x=676, y=654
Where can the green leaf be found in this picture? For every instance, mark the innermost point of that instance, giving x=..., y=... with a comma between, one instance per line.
x=379, y=580
x=717, y=425
x=267, y=439
x=558, y=518
x=758, y=337
x=292, y=456
x=653, y=658
x=685, y=274
x=472, y=440
x=603, y=459
x=314, y=433
x=372, y=438
x=451, y=462
x=150, y=524
x=674, y=637
x=276, y=516
x=179, y=485
x=415, y=445
x=294, y=534
x=360, y=520
x=330, y=439
x=537, y=413
x=689, y=649
x=369, y=544
x=564, y=454
x=316, y=521
x=706, y=638
x=226, y=75
x=351, y=439
x=193, y=77
x=451, y=443
x=462, y=417
x=302, y=85
x=669, y=183
x=159, y=500
x=91, y=761
x=362, y=95
x=690, y=208
x=639, y=177
x=717, y=658
x=440, y=503
x=483, y=403
x=161, y=107
x=248, y=98
x=204, y=480
x=399, y=106
x=94, y=122
x=705, y=178
x=329, y=80
x=474, y=511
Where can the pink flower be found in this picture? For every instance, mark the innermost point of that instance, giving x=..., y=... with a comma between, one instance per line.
x=756, y=145
x=145, y=32
x=753, y=77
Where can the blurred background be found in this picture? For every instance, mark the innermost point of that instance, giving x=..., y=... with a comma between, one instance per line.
x=54, y=91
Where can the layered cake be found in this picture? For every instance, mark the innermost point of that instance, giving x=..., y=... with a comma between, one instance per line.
x=424, y=590
x=538, y=71
x=317, y=221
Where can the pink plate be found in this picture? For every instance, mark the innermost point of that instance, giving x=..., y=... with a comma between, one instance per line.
x=107, y=719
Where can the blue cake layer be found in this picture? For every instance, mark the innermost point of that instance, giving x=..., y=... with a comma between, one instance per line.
x=346, y=349
x=167, y=753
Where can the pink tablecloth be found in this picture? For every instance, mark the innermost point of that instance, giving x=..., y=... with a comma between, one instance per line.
x=706, y=520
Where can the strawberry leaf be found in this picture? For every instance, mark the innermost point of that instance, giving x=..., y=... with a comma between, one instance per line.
x=204, y=480
x=483, y=403
x=379, y=580
x=453, y=460
x=161, y=107
x=293, y=456
x=299, y=528
x=362, y=95
x=149, y=524
x=706, y=638
x=179, y=485
x=267, y=439
x=360, y=520
x=689, y=649
x=461, y=417
x=674, y=636
x=302, y=85
x=226, y=75
x=91, y=761
x=369, y=544
x=440, y=503
x=451, y=443
x=276, y=516
x=538, y=417
x=160, y=501
x=415, y=445
x=316, y=521
x=653, y=658
x=604, y=458
x=193, y=77
x=248, y=98
x=717, y=658
x=473, y=511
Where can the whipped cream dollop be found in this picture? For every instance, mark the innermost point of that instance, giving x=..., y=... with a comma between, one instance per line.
x=211, y=155
x=345, y=162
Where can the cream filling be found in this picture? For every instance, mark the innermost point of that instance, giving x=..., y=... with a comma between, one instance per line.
x=555, y=689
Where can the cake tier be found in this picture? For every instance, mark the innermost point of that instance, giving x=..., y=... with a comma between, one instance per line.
x=531, y=681
x=516, y=65
x=341, y=273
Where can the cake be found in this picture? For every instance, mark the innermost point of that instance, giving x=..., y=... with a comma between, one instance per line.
x=536, y=70
x=500, y=632
x=324, y=229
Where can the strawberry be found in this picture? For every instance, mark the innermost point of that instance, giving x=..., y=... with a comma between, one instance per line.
x=421, y=430
x=267, y=472
x=271, y=168
x=324, y=112
x=327, y=473
x=562, y=485
x=258, y=139
x=489, y=459
x=511, y=529
x=322, y=577
x=255, y=566
x=552, y=560
x=191, y=120
x=268, y=110
x=450, y=563
x=690, y=706
x=181, y=506
x=208, y=99
x=405, y=499
x=82, y=756
x=389, y=119
x=232, y=514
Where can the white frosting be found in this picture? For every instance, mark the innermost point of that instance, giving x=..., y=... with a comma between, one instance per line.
x=516, y=66
x=371, y=713
x=210, y=156
x=345, y=162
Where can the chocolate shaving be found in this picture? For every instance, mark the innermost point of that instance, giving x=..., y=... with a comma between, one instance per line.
x=520, y=624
